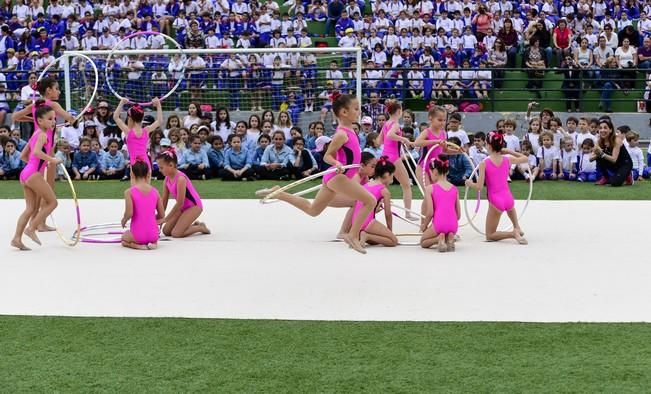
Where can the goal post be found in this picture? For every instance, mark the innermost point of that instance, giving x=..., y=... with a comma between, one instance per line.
x=235, y=78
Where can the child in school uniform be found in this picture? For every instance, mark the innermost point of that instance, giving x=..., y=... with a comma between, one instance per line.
x=587, y=169
x=548, y=156
x=568, y=159
x=639, y=171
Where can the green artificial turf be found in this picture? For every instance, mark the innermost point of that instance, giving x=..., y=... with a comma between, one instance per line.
x=41, y=354
x=216, y=189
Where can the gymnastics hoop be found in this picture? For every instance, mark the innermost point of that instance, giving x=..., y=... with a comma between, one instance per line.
x=86, y=237
x=456, y=147
x=75, y=238
x=92, y=97
x=299, y=194
x=130, y=36
x=520, y=215
x=411, y=171
x=403, y=235
x=269, y=197
x=405, y=219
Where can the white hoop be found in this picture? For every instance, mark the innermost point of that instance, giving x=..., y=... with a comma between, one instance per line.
x=75, y=238
x=270, y=197
x=92, y=97
x=130, y=36
x=520, y=215
x=299, y=194
x=411, y=171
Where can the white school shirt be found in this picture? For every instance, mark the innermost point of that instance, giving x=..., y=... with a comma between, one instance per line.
x=461, y=135
x=585, y=165
x=446, y=24
x=404, y=24
x=534, y=139
x=582, y=137
x=469, y=41
x=512, y=142
x=213, y=42
x=21, y=12
x=88, y=43
x=390, y=41
x=484, y=75
x=489, y=41
x=568, y=159
x=638, y=158
x=159, y=10
x=72, y=135
x=108, y=42
x=476, y=155
x=455, y=43
x=405, y=42
x=547, y=156
x=347, y=42
x=415, y=79
x=452, y=77
x=644, y=26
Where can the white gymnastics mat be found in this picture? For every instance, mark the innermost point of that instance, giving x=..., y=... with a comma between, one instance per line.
x=586, y=261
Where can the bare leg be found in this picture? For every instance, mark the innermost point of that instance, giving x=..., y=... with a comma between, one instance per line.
x=402, y=176
x=442, y=246
x=492, y=221
x=42, y=189
x=378, y=233
x=313, y=208
x=184, y=226
x=346, y=224
x=450, y=241
x=23, y=219
x=170, y=224
x=50, y=177
x=429, y=238
x=343, y=185
x=129, y=242
x=517, y=231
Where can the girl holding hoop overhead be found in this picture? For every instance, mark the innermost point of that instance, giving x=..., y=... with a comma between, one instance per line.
x=31, y=178
x=343, y=150
x=494, y=171
x=391, y=137
x=430, y=139
x=144, y=207
x=48, y=88
x=181, y=221
x=135, y=135
x=442, y=208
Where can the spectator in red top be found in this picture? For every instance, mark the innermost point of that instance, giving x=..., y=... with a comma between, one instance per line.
x=483, y=21
x=510, y=39
x=561, y=38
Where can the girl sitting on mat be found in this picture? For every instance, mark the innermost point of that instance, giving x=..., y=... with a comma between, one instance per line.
x=442, y=208
x=392, y=140
x=48, y=88
x=494, y=170
x=372, y=231
x=143, y=205
x=35, y=188
x=343, y=150
x=136, y=136
x=181, y=221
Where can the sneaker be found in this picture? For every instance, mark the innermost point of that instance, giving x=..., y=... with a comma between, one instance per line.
x=245, y=179
x=602, y=181
x=124, y=178
x=629, y=180
x=203, y=177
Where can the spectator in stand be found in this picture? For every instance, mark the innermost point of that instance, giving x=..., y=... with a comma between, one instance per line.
x=644, y=54
x=626, y=56
x=633, y=36
x=562, y=38
x=609, y=80
x=510, y=40
x=482, y=22
x=335, y=10
x=612, y=41
x=535, y=60
x=498, y=58
x=571, y=84
x=374, y=108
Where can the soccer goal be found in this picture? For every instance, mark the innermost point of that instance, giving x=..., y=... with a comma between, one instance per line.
x=297, y=80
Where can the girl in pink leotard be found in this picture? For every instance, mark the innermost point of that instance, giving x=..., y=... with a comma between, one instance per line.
x=366, y=170
x=181, y=221
x=442, y=208
x=48, y=89
x=373, y=231
x=494, y=171
x=136, y=136
x=391, y=137
x=343, y=150
x=34, y=185
x=144, y=207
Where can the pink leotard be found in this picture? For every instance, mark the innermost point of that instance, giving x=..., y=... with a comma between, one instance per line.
x=391, y=148
x=137, y=146
x=34, y=164
x=438, y=149
x=191, y=196
x=376, y=191
x=497, y=186
x=349, y=153
x=143, y=222
x=444, y=219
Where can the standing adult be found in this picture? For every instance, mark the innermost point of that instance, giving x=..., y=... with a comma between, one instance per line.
x=483, y=22
x=335, y=8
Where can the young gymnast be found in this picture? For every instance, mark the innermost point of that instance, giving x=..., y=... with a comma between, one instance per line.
x=372, y=231
x=48, y=89
x=391, y=138
x=442, y=208
x=343, y=150
x=181, y=221
x=494, y=171
x=366, y=170
x=136, y=136
x=31, y=178
x=144, y=207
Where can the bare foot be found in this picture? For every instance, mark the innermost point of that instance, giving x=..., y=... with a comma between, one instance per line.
x=31, y=233
x=44, y=228
x=354, y=243
x=363, y=236
x=451, y=246
x=152, y=246
x=457, y=237
x=340, y=236
x=412, y=216
x=262, y=193
x=442, y=247
x=18, y=244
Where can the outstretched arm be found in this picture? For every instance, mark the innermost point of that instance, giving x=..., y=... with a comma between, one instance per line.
x=116, y=116
x=480, y=178
x=159, y=115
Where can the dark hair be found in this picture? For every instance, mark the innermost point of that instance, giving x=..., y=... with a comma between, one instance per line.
x=341, y=101
x=383, y=166
x=526, y=144
x=197, y=106
x=587, y=143
x=624, y=129
x=496, y=141
x=571, y=119
x=456, y=116
x=231, y=136
x=295, y=140
x=480, y=135
x=441, y=164
x=167, y=124
x=226, y=121
x=265, y=136
x=42, y=109
x=273, y=117
x=611, y=138
x=136, y=113
x=112, y=141
x=194, y=137
x=455, y=140
x=393, y=106
x=44, y=84
x=278, y=132
x=248, y=125
x=168, y=156
x=139, y=169
x=367, y=157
